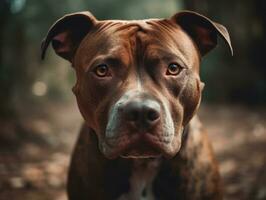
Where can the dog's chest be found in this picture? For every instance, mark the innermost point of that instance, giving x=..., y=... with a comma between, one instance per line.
x=141, y=180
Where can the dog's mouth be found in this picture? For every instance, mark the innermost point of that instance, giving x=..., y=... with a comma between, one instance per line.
x=141, y=150
x=143, y=145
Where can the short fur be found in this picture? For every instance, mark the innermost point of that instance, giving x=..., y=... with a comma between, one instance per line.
x=162, y=152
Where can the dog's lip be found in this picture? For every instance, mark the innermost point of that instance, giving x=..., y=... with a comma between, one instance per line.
x=141, y=156
x=141, y=135
x=127, y=139
x=122, y=145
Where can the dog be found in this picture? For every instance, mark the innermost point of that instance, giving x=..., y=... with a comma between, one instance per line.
x=138, y=89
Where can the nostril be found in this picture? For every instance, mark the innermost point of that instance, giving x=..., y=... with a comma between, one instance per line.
x=142, y=113
x=133, y=115
x=152, y=115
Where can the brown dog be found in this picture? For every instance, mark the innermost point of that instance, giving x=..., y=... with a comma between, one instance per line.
x=138, y=88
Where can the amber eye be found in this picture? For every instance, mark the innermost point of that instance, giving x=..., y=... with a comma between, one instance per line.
x=102, y=70
x=173, y=69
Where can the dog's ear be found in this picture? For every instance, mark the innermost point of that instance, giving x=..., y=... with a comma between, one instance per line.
x=67, y=33
x=202, y=30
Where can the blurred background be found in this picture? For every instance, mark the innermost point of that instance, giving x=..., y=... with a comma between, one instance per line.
x=39, y=119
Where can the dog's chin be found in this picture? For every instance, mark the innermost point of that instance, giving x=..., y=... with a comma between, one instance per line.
x=136, y=154
x=140, y=156
x=137, y=151
x=142, y=149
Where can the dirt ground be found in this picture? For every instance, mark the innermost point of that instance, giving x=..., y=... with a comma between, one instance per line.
x=34, y=154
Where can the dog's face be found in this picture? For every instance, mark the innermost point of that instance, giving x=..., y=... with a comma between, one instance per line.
x=138, y=82
x=138, y=86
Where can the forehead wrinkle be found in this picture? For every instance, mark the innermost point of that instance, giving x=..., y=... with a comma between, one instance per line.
x=127, y=33
x=174, y=40
x=127, y=28
x=106, y=26
x=123, y=32
x=130, y=33
x=109, y=39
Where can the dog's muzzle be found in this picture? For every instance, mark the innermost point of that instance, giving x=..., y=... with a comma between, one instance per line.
x=139, y=125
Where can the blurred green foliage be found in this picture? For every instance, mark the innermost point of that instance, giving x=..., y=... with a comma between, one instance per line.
x=241, y=78
x=25, y=79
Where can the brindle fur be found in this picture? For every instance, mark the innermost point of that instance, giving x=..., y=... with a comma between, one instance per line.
x=192, y=174
x=171, y=157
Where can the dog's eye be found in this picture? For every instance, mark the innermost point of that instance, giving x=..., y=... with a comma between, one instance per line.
x=101, y=70
x=173, y=69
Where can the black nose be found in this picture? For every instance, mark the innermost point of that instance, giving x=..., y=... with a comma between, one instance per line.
x=143, y=113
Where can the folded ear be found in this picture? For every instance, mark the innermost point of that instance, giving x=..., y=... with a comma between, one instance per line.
x=67, y=33
x=202, y=30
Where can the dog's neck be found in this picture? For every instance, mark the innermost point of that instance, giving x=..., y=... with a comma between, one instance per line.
x=141, y=177
x=143, y=173
x=140, y=182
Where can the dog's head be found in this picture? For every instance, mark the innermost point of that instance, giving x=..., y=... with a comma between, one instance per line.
x=138, y=82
